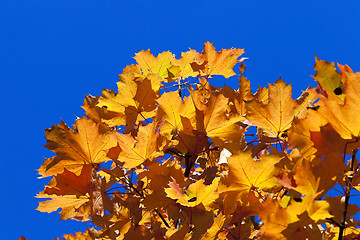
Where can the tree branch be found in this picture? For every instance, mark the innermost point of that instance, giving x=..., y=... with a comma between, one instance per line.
x=347, y=196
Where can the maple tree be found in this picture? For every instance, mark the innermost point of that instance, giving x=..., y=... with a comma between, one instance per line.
x=170, y=156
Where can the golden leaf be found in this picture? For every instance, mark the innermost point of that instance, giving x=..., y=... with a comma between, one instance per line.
x=148, y=145
x=196, y=194
x=210, y=62
x=277, y=115
x=85, y=145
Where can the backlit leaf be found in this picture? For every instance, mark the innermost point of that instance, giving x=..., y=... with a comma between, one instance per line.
x=210, y=62
x=329, y=79
x=344, y=118
x=148, y=145
x=85, y=145
x=278, y=114
x=196, y=194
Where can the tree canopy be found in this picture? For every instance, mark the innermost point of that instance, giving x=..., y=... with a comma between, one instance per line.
x=170, y=156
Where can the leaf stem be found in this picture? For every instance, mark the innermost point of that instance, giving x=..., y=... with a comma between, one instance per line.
x=147, y=121
x=347, y=196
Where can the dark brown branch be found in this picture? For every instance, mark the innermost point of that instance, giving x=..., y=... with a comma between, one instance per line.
x=174, y=152
x=332, y=221
x=347, y=196
x=162, y=218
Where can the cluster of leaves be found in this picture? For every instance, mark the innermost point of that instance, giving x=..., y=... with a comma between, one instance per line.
x=169, y=156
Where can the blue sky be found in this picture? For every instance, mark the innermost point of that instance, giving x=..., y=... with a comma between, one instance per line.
x=53, y=53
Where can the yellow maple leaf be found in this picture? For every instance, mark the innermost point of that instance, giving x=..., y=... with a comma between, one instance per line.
x=344, y=117
x=161, y=65
x=350, y=232
x=174, y=111
x=246, y=174
x=277, y=115
x=220, y=222
x=196, y=194
x=184, y=64
x=148, y=145
x=329, y=79
x=262, y=94
x=68, y=203
x=210, y=62
x=180, y=123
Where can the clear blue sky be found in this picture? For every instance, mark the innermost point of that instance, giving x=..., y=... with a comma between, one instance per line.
x=54, y=52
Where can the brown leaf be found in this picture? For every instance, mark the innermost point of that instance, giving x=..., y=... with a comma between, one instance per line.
x=69, y=192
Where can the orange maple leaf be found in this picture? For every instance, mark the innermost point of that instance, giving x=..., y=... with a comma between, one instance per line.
x=85, y=145
x=337, y=206
x=68, y=183
x=157, y=178
x=212, y=118
x=327, y=140
x=67, y=191
x=237, y=98
x=300, y=132
x=295, y=221
x=204, y=134
x=89, y=234
x=314, y=178
x=134, y=102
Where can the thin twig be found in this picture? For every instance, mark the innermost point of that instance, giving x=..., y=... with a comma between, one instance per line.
x=347, y=195
x=333, y=222
x=137, y=191
x=346, y=144
x=147, y=121
x=338, y=191
x=174, y=152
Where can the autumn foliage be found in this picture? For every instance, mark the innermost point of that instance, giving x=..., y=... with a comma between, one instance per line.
x=170, y=156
